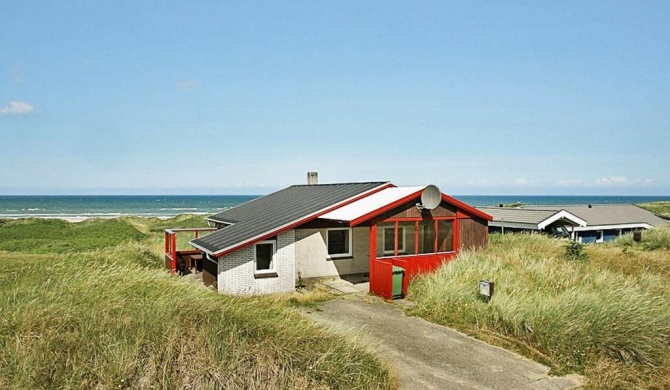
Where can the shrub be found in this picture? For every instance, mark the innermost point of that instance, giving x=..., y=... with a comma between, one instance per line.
x=575, y=251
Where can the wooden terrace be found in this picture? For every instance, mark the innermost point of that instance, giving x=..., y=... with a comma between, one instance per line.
x=178, y=256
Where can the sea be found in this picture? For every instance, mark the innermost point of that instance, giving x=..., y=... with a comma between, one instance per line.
x=80, y=207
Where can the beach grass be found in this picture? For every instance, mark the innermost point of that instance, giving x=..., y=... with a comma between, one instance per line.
x=605, y=316
x=42, y=236
x=660, y=208
x=101, y=313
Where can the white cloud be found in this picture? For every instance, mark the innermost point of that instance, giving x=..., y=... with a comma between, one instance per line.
x=16, y=108
x=187, y=85
x=611, y=181
x=614, y=181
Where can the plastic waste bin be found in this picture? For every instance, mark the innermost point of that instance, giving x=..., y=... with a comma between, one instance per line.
x=398, y=276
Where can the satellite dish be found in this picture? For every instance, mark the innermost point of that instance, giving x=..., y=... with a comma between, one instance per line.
x=430, y=197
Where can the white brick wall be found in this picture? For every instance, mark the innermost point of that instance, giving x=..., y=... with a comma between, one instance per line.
x=236, y=270
x=312, y=254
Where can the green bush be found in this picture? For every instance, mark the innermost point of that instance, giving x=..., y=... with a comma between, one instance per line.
x=575, y=251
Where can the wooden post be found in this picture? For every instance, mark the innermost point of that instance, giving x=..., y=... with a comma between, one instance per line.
x=174, y=252
x=373, y=254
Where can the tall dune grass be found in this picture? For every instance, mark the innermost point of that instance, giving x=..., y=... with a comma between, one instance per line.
x=607, y=317
x=112, y=318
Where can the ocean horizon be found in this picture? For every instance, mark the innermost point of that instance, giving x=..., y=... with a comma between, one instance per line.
x=79, y=207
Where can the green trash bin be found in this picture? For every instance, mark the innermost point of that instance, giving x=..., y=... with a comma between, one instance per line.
x=398, y=276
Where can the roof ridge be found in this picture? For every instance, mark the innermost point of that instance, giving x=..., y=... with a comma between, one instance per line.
x=339, y=184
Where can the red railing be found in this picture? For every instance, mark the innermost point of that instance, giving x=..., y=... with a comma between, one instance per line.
x=172, y=252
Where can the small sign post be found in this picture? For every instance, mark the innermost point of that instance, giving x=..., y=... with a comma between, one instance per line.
x=486, y=290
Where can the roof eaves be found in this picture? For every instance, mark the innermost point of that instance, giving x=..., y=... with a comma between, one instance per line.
x=384, y=209
x=295, y=223
x=467, y=207
x=561, y=214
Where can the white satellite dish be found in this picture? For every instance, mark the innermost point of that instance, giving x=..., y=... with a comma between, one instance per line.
x=430, y=197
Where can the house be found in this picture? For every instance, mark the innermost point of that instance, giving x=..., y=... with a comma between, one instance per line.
x=582, y=223
x=331, y=230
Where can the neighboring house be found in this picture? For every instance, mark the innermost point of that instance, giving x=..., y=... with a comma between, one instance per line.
x=331, y=230
x=585, y=224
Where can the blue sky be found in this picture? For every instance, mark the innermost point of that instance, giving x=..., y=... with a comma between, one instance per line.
x=218, y=97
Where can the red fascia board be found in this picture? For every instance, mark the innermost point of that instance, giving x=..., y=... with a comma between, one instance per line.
x=384, y=209
x=466, y=207
x=400, y=202
x=300, y=222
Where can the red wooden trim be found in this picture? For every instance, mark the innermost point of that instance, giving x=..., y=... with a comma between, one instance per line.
x=466, y=207
x=412, y=219
x=416, y=237
x=386, y=208
x=435, y=248
x=457, y=236
x=301, y=221
x=395, y=240
x=373, y=251
x=174, y=252
x=406, y=199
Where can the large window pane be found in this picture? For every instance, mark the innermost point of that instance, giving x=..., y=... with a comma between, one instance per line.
x=339, y=242
x=264, y=255
x=385, y=239
x=407, y=238
x=445, y=236
x=389, y=240
x=426, y=237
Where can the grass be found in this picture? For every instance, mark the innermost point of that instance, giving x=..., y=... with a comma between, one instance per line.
x=661, y=208
x=606, y=316
x=100, y=312
x=42, y=236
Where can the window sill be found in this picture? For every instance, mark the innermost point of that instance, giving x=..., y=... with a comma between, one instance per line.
x=264, y=275
x=349, y=257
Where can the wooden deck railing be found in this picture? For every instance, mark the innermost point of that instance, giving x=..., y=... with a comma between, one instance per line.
x=172, y=252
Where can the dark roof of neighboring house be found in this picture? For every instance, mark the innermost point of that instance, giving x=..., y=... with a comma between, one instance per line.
x=518, y=215
x=265, y=217
x=595, y=215
x=616, y=215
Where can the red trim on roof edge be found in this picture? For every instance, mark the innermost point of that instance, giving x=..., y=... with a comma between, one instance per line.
x=460, y=205
x=302, y=221
x=466, y=207
x=384, y=209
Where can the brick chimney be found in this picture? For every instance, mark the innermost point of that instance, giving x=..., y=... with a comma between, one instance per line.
x=312, y=178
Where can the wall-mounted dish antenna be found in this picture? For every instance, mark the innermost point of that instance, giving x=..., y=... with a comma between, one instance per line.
x=430, y=198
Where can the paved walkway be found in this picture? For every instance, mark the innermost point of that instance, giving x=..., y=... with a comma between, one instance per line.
x=428, y=356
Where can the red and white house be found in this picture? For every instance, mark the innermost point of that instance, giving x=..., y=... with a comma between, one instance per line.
x=329, y=231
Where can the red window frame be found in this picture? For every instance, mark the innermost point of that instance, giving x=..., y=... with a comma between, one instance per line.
x=416, y=221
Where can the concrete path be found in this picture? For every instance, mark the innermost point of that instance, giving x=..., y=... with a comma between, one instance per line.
x=428, y=356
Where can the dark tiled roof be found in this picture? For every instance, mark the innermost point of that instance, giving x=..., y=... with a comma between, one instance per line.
x=615, y=215
x=518, y=215
x=596, y=215
x=271, y=213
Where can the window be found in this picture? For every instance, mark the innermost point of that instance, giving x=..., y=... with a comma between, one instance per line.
x=445, y=236
x=389, y=240
x=408, y=237
x=264, y=253
x=600, y=237
x=426, y=237
x=338, y=242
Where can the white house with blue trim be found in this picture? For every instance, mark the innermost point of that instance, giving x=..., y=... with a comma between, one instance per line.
x=583, y=223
